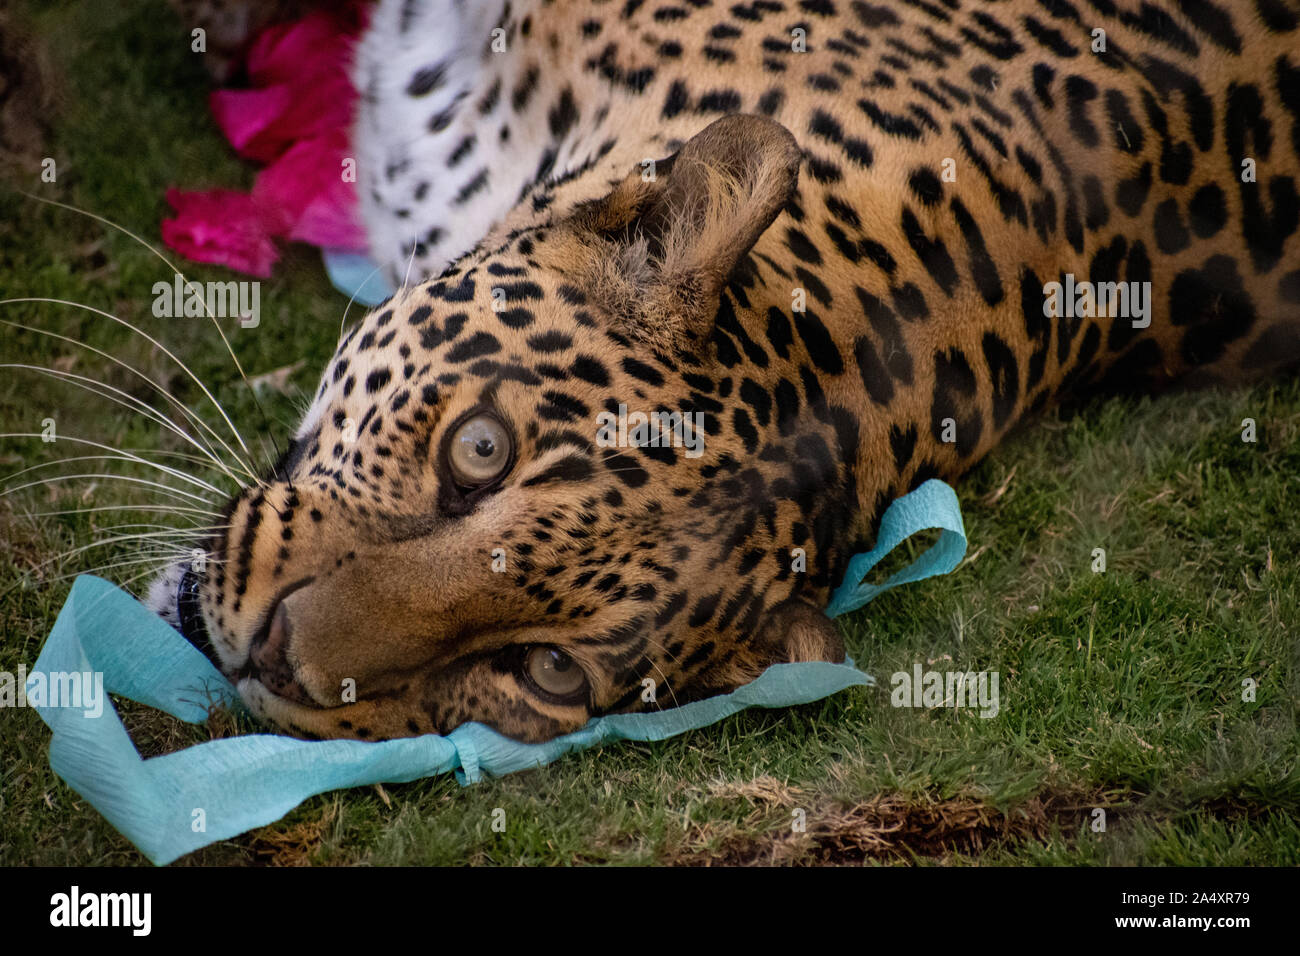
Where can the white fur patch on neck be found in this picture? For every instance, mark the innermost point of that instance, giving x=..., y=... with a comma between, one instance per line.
x=433, y=171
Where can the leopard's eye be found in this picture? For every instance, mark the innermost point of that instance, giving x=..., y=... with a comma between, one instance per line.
x=479, y=451
x=554, y=672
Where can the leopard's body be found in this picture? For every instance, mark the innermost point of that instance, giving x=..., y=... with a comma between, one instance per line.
x=855, y=305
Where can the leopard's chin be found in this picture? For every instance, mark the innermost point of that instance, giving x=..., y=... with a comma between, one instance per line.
x=174, y=596
x=161, y=597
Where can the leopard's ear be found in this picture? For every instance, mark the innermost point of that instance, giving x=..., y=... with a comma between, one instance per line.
x=657, y=251
x=796, y=631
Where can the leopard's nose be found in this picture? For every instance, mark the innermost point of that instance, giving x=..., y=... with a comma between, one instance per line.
x=269, y=659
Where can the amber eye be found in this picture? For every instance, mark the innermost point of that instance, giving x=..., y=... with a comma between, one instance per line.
x=554, y=672
x=479, y=451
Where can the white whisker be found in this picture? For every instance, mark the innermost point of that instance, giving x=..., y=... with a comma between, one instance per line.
x=148, y=537
x=165, y=530
x=166, y=489
x=125, y=456
x=161, y=509
x=156, y=566
x=175, y=271
x=206, y=448
x=148, y=338
x=148, y=411
x=409, y=262
x=343, y=322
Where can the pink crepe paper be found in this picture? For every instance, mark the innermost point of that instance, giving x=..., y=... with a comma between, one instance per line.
x=220, y=226
x=296, y=117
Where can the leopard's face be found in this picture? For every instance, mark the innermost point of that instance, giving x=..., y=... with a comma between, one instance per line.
x=444, y=535
x=459, y=531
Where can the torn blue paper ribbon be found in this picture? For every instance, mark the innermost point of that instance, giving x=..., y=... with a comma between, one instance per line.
x=171, y=805
x=356, y=276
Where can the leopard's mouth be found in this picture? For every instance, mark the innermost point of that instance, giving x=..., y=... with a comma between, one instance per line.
x=279, y=682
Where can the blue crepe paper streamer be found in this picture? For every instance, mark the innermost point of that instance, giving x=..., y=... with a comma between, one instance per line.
x=356, y=276
x=241, y=783
x=932, y=505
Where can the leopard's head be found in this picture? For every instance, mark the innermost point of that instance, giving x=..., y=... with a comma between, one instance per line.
x=472, y=522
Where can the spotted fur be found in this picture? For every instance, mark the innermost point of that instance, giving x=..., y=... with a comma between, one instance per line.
x=776, y=173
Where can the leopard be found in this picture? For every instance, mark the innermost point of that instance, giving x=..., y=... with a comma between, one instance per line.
x=850, y=238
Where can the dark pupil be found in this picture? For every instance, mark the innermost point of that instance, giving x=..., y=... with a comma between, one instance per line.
x=484, y=448
x=560, y=661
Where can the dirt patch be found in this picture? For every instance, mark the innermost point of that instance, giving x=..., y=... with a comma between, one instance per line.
x=786, y=829
x=293, y=845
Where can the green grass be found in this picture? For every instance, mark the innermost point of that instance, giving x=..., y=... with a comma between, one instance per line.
x=1119, y=690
